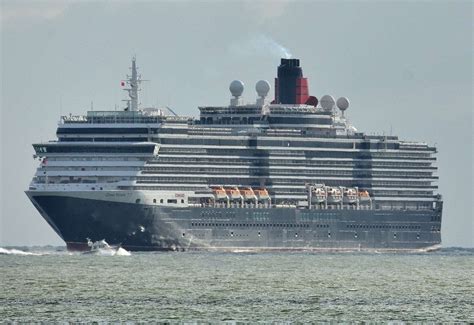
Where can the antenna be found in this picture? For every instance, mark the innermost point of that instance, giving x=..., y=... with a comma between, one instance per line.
x=169, y=109
x=60, y=105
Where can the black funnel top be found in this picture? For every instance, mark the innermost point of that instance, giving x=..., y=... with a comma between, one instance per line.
x=289, y=73
x=290, y=68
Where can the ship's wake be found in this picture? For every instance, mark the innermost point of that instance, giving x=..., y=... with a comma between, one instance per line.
x=14, y=251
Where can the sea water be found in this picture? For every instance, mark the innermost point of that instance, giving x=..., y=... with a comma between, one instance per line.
x=55, y=285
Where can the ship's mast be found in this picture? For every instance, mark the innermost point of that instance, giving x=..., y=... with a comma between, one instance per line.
x=133, y=83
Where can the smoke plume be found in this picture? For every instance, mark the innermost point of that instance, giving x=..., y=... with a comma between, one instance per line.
x=260, y=45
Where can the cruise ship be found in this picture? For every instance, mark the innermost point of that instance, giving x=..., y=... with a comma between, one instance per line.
x=288, y=173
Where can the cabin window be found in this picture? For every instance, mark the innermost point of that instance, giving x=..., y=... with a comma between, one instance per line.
x=161, y=200
x=182, y=200
x=137, y=201
x=172, y=201
x=154, y=200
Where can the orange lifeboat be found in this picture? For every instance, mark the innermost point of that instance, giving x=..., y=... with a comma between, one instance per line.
x=219, y=193
x=233, y=193
x=248, y=194
x=364, y=196
x=262, y=194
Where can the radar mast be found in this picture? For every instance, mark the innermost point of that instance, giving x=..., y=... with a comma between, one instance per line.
x=133, y=82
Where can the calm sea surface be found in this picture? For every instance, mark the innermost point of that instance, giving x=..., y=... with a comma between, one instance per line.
x=203, y=287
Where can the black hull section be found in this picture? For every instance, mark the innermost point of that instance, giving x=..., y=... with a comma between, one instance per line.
x=152, y=227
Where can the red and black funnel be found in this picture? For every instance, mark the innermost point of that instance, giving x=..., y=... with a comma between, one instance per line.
x=290, y=86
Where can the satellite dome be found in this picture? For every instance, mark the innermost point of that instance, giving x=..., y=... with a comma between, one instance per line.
x=236, y=88
x=327, y=102
x=262, y=87
x=342, y=103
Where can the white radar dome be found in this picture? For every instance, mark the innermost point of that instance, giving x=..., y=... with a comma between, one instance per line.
x=327, y=102
x=342, y=103
x=236, y=88
x=262, y=87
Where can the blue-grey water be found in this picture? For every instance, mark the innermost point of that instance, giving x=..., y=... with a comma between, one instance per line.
x=55, y=285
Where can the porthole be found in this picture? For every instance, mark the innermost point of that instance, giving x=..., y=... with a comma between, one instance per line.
x=154, y=200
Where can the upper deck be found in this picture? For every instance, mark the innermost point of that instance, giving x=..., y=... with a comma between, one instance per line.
x=148, y=116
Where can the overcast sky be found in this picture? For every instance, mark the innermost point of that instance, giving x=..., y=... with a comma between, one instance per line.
x=405, y=66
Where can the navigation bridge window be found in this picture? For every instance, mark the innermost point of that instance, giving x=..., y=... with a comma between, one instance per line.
x=41, y=149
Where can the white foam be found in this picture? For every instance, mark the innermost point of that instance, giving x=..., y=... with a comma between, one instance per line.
x=110, y=251
x=13, y=251
x=122, y=252
x=106, y=252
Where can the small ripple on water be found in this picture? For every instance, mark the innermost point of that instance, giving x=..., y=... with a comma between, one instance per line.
x=238, y=287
